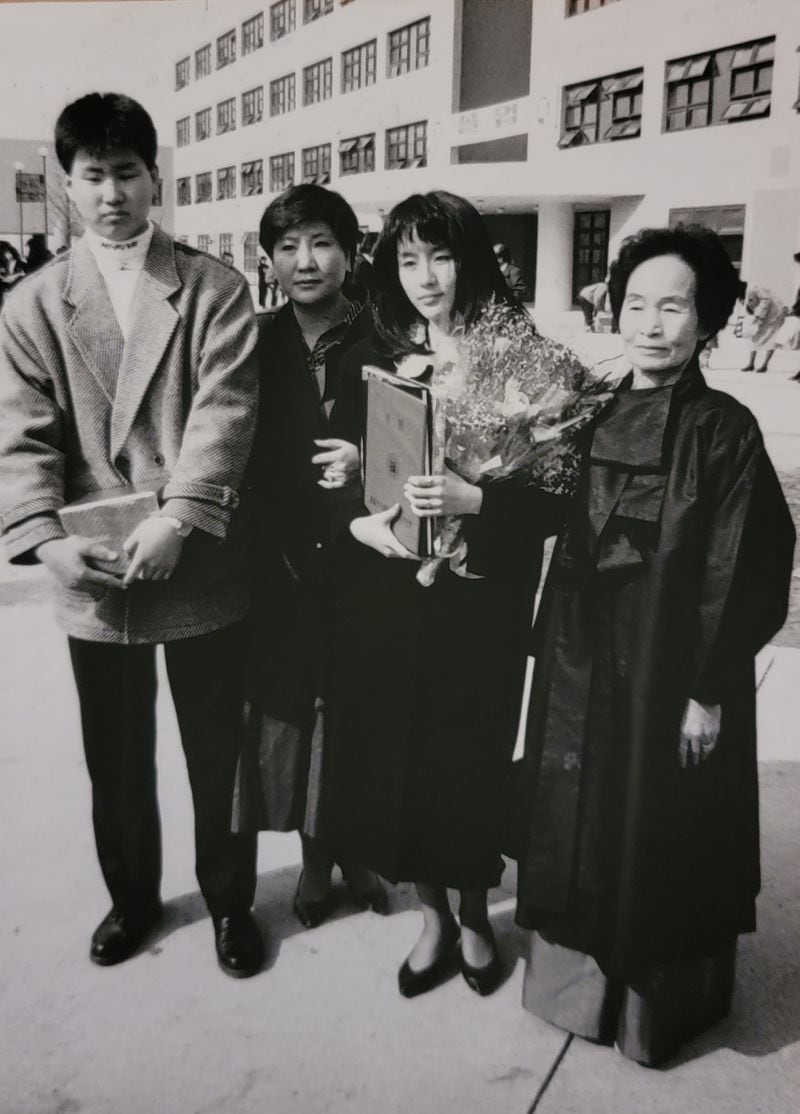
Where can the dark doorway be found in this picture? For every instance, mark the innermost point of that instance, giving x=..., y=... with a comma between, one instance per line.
x=519, y=232
x=589, y=248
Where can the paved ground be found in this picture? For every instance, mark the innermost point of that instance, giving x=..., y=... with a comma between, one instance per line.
x=323, y=1030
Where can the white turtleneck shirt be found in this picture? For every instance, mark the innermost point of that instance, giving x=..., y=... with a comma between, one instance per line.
x=121, y=264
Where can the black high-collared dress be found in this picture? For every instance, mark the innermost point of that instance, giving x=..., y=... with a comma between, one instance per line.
x=295, y=520
x=427, y=683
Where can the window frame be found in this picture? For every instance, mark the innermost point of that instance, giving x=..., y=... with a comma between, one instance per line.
x=183, y=73
x=318, y=82
x=254, y=168
x=356, y=154
x=401, y=49
x=282, y=89
x=225, y=243
x=199, y=187
x=406, y=136
x=229, y=104
x=183, y=131
x=226, y=57
x=202, y=62
x=183, y=186
x=316, y=9
x=226, y=183
x=201, y=134
x=253, y=34
x=315, y=164
x=282, y=19
x=257, y=114
x=365, y=74
x=285, y=163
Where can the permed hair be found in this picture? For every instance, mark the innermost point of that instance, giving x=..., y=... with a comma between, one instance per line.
x=103, y=124
x=446, y=220
x=716, y=281
x=306, y=204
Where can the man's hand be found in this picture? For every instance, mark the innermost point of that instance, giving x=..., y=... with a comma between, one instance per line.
x=154, y=548
x=340, y=462
x=66, y=559
x=699, y=732
x=375, y=530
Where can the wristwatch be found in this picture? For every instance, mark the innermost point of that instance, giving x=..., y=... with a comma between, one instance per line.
x=182, y=529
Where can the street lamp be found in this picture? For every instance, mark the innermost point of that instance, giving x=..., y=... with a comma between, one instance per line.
x=19, y=167
x=43, y=153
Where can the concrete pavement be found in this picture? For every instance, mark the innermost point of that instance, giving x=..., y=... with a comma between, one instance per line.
x=323, y=1030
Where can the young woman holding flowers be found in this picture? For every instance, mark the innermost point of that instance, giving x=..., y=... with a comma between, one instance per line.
x=428, y=680
x=640, y=859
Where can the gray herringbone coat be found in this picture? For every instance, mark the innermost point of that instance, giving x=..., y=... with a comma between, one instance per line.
x=174, y=407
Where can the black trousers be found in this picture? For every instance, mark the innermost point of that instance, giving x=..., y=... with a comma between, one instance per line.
x=117, y=694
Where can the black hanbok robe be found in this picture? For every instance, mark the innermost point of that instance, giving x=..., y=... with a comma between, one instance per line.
x=427, y=686
x=672, y=572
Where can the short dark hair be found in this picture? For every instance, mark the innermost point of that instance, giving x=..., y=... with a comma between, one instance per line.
x=306, y=203
x=502, y=253
x=716, y=281
x=6, y=246
x=444, y=219
x=104, y=123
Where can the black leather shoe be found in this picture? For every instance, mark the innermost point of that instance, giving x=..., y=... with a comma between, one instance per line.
x=411, y=983
x=120, y=934
x=375, y=898
x=240, y=950
x=311, y=913
x=483, y=980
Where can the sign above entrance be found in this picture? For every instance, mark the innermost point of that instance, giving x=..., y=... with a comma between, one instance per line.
x=491, y=122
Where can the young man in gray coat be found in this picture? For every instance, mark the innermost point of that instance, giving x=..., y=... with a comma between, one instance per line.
x=128, y=363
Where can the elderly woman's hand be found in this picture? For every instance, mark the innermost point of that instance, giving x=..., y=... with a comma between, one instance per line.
x=429, y=496
x=375, y=530
x=699, y=732
x=340, y=462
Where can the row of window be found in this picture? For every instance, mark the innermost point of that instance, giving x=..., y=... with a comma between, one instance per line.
x=407, y=49
x=358, y=68
x=406, y=146
x=722, y=86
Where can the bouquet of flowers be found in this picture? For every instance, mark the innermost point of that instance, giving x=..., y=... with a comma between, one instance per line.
x=506, y=402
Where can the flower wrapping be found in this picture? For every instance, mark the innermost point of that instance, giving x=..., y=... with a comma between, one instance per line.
x=507, y=403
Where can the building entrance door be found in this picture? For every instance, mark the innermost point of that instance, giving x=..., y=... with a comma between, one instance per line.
x=589, y=248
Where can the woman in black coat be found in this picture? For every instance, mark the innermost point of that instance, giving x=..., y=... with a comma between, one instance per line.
x=298, y=478
x=428, y=680
x=639, y=863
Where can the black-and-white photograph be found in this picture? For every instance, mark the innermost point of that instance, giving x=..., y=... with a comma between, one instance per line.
x=399, y=604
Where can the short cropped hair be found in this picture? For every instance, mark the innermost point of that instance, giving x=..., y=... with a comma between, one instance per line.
x=103, y=124
x=502, y=253
x=716, y=281
x=305, y=204
x=446, y=220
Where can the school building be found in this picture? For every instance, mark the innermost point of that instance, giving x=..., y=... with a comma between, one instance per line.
x=569, y=123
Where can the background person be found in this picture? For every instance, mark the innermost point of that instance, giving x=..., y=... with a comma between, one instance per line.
x=764, y=314
x=12, y=269
x=309, y=234
x=428, y=680
x=639, y=860
x=510, y=272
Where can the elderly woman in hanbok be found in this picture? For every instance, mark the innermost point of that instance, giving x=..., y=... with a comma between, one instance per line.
x=639, y=858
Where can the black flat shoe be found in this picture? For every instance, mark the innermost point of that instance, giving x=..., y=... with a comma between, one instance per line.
x=483, y=980
x=411, y=983
x=120, y=934
x=375, y=898
x=240, y=950
x=311, y=913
